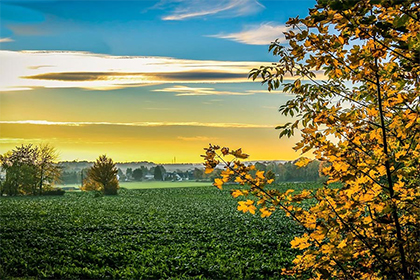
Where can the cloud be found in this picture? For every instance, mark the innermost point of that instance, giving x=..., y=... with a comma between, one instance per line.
x=6, y=40
x=269, y=92
x=22, y=140
x=190, y=91
x=24, y=70
x=186, y=9
x=263, y=34
x=138, y=124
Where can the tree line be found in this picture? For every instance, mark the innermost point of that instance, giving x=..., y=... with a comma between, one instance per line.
x=34, y=170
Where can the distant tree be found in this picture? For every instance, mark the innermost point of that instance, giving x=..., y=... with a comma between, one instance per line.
x=29, y=168
x=121, y=175
x=198, y=173
x=260, y=166
x=289, y=172
x=145, y=170
x=129, y=173
x=137, y=174
x=159, y=173
x=273, y=167
x=102, y=176
x=70, y=177
x=48, y=170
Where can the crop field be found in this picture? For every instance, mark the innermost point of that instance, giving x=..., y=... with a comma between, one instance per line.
x=193, y=232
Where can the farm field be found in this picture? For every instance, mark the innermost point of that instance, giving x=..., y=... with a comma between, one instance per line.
x=153, y=184
x=173, y=233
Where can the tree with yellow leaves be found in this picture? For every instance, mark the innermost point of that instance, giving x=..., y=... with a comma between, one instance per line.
x=355, y=67
x=102, y=176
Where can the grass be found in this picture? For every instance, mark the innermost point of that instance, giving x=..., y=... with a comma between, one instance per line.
x=153, y=185
x=192, y=232
x=163, y=184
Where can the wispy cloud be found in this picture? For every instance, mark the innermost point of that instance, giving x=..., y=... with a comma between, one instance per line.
x=21, y=140
x=139, y=124
x=268, y=92
x=24, y=70
x=186, y=9
x=262, y=34
x=191, y=91
x=6, y=40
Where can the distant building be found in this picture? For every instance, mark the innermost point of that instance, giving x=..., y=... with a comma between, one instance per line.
x=149, y=177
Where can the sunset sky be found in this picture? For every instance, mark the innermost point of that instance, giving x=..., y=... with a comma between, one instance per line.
x=141, y=80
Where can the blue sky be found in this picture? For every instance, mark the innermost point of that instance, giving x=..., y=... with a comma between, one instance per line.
x=170, y=67
x=144, y=27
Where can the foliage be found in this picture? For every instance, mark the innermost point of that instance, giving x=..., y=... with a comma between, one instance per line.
x=289, y=172
x=137, y=174
x=70, y=177
x=121, y=175
x=159, y=173
x=29, y=169
x=129, y=173
x=102, y=176
x=49, y=171
x=141, y=234
x=368, y=136
x=54, y=192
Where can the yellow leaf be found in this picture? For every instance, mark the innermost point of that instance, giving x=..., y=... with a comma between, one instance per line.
x=252, y=209
x=218, y=183
x=265, y=212
x=382, y=170
x=242, y=207
x=260, y=174
x=300, y=242
x=302, y=162
x=239, y=180
x=249, y=202
x=342, y=244
x=237, y=193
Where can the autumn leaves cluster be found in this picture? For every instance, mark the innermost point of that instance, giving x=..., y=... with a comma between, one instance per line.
x=356, y=106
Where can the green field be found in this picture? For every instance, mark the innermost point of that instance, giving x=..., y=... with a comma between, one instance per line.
x=154, y=185
x=193, y=232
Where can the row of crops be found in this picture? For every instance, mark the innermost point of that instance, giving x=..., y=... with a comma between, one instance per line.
x=154, y=233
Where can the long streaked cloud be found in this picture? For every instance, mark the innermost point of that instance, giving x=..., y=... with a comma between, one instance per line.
x=187, y=9
x=139, y=124
x=7, y=140
x=25, y=70
x=262, y=34
x=6, y=40
x=192, y=91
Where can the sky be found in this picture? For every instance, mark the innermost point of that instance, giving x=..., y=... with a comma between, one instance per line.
x=142, y=80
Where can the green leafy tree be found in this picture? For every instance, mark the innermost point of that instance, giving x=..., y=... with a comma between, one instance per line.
x=102, y=176
x=121, y=175
x=129, y=173
x=198, y=174
x=138, y=174
x=30, y=169
x=159, y=173
x=366, y=133
x=48, y=170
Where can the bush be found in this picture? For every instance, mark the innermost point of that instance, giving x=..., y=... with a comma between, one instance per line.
x=55, y=191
